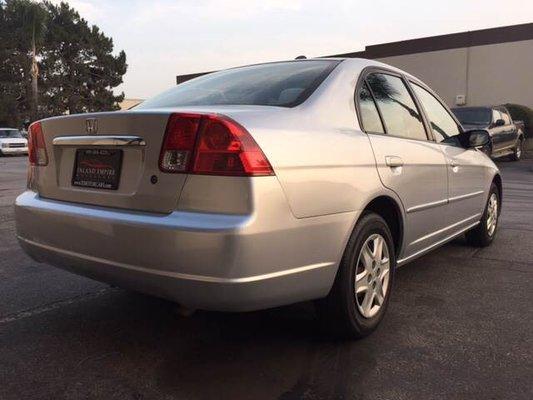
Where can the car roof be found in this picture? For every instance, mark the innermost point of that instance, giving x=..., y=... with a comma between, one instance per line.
x=362, y=63
x=474, y=108
x=480, y=107
x=345, y=62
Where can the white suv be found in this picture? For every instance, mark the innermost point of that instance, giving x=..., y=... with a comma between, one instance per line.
x=12, y=142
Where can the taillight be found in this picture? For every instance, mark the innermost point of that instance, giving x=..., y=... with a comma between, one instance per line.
x=211, y=144
x=36, y=148
x=178, y=144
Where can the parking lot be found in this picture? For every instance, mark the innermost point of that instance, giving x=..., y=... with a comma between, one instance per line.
x=459, y=326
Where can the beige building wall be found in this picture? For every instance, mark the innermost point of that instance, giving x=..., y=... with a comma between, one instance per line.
x=491, y=74
x=444, y=71
x=501, y=73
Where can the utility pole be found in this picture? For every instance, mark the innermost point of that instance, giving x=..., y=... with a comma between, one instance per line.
x=34, y=76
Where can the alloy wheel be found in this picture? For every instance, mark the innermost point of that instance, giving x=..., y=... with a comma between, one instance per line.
x=372, y=275
x=492, y=214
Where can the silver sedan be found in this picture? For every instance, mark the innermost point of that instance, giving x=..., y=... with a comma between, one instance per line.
x=261, y=186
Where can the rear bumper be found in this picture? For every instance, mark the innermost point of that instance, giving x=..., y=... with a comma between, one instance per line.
x=201, y=260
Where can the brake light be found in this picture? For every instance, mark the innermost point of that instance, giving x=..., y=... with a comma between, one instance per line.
x=36, y=147
x=179, y=141
x=212, y=145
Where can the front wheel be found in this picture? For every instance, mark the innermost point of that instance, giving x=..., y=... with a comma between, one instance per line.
x=361, y=291
x=483, y=234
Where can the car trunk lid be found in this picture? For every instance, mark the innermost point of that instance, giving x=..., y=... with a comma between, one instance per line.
x=84, y=151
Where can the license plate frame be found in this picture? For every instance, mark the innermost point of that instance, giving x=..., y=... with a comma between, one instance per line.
x=97, y=168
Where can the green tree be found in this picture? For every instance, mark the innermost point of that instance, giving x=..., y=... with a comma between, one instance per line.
x=52, y=62
x=22, y=25
x=79, y=69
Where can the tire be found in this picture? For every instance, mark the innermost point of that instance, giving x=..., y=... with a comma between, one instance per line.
x=489, y=151
x=517, y=152
x=345, y=314
x=483, y=234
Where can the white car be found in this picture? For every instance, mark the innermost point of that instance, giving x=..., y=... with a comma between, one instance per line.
x=12, y=142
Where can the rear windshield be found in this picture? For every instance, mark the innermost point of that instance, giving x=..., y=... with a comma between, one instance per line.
x=473, y=116
x=284, y=84
x=9, y=133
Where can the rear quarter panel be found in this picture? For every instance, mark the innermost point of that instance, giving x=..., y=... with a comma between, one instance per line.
x=324, y=163
x=322, y=171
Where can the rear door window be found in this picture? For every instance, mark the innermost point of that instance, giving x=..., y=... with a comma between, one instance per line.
x=398, y=109
x=370, y=120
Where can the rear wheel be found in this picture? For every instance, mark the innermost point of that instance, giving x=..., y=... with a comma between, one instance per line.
x=483, y=234
x=361, y=292
x=517, y=152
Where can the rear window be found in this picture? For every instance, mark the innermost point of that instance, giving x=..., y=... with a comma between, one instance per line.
x=284, y=84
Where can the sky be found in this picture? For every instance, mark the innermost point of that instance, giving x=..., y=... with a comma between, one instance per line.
x=165, y=38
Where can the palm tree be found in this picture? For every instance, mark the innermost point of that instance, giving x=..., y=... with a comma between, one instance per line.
x=34, y=25
x=38, y=29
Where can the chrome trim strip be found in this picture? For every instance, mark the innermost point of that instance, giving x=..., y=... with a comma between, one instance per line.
x=178, y=275
x=445, y=229
x=504, y=148
x=442, y=202
x=440, y=242
x=427, y=205
x=465, y=196
x=99, y=141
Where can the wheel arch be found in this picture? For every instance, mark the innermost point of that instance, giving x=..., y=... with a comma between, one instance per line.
x=390, y=210
x=497, y=180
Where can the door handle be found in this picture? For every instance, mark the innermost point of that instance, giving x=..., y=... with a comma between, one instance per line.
x=454, y=165
x=393, y=161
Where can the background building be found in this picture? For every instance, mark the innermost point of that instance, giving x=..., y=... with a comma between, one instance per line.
x=489, y=66
x=483, y=67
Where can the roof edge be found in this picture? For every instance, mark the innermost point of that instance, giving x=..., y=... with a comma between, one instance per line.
x=504, y=34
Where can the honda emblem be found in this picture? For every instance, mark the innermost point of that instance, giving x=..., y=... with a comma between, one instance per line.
x=91, y=126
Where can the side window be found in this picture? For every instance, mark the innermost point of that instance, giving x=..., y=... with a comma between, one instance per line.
x=442, y=123
x=496, y=115
x=369, y=112
x=506, y=117
x=399, y=112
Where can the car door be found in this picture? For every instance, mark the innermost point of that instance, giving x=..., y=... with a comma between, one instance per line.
x=466, y=173
x=407, y=162
x=510, y=131
x=497, y=133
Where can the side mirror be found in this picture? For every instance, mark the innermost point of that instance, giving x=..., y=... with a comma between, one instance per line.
x=477, y=139
x=499, y=122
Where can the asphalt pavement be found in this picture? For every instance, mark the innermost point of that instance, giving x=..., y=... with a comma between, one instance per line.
x=459, y=326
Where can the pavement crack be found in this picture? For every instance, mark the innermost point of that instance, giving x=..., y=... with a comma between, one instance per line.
x=52, y=306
